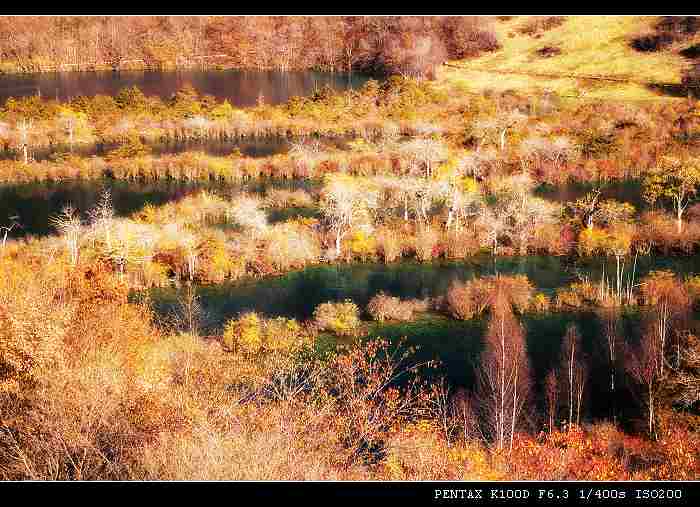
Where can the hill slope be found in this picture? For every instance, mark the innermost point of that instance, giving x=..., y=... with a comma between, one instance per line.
x=580, y=45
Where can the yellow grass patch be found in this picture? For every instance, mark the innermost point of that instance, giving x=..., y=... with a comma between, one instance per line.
x=590, y=45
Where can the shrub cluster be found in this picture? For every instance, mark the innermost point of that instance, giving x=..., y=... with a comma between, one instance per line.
x=341, y=318
x=470, y=299
x=383, y=307
x=251, y=334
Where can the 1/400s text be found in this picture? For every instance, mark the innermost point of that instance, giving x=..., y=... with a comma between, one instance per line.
x=637, y=494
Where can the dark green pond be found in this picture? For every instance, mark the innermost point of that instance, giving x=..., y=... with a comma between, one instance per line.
x=296, y=294
x=456, y=344
x=35, y=203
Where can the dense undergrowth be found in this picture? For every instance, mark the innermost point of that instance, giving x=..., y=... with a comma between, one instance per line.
x=95, y=387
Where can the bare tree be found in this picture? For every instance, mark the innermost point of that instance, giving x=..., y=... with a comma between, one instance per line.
x=686, y=378
x=351, y=28
x=424, y=193
x=524, y=212
x=516, y=213
x=415, y=55
x=591, y=210
x=70, y=227
x=462, y=203
x=551, y=392
x=345, y=204
x=246, y=211
x=504, y=382
x=199, y=124
x=644, y=365
x=7, y=229
x=189, y=242
x=495, y=225
x=494, y=130
x=479, y=163
x=441, y=408
x=463, y=410
x=129, y=243
x=189, y=313
x=668, y=304
x=425, y=151
x=537, y=150
x=580, y=379
x=25, y=128
x=306, y=154
x=102, y=218
x=573, y=372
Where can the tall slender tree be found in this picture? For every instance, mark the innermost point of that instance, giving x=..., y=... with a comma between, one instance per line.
x=504, y=381
x=573, y=370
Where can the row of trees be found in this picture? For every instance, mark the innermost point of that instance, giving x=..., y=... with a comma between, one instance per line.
x=407, y=45
x=368, y=217
x=661, y=365
x=507, y=209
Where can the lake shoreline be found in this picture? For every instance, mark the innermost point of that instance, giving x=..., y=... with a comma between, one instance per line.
x=241, y=86
x=179, y=68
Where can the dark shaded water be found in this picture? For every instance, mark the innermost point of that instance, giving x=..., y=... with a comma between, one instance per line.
x=456, y=344
x=459, y=344
x=36, y=203
x=250, y=147
x=626, y=191
x=297, y=294
x=240, y=87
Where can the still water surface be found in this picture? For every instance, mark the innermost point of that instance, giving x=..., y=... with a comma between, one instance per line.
x=456, y=344
x=249, y=147
x=36, y=203
x=240, y=87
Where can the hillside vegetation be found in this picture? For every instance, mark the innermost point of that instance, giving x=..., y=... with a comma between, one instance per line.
x=588, y=45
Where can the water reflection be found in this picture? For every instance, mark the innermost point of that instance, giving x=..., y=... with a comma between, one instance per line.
x=626, y=191
x=298, y=293
x=249, y=147
x=240, y=87
x=35, y=203
x=456, y=344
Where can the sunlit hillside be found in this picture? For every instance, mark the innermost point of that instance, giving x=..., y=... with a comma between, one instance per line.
x=588, y=45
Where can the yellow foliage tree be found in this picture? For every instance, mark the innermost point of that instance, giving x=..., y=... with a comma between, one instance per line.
x=244, y=334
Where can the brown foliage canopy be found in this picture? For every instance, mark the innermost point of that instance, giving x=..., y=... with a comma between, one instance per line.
x=466, y=300
x=398, y=44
